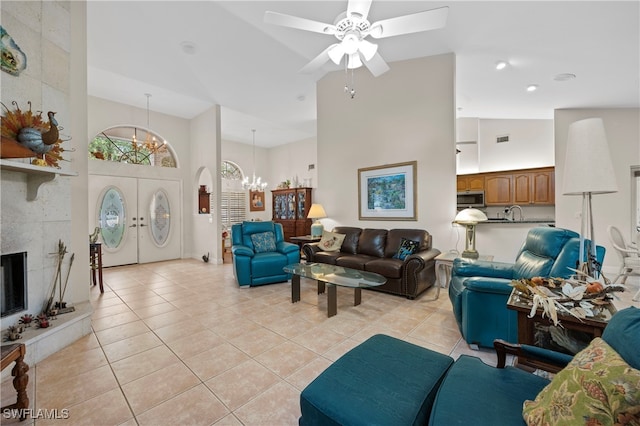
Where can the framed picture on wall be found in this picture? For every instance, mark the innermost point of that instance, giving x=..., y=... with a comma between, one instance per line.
x=256, y=201
x=388, y=192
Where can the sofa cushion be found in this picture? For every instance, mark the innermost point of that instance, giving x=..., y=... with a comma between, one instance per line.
x=596, y=387
x=474, y=393
x=389, y=268
x=372, y=242
x=395, y=236
x=356, y=261
x=382, y=381
x=623, y=335
x=350, y=243
x=331, y=241
x=407, y=248
x=539, y=251
x=263, y=242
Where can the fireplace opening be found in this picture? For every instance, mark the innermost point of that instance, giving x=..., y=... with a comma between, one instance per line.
x=13, y=284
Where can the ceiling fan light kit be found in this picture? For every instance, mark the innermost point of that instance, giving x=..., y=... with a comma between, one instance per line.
x=351, y=28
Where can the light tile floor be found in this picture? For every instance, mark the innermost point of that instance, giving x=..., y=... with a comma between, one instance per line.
x=179, y=342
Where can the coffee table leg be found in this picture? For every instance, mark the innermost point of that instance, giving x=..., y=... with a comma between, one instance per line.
x=332, y=300
x=295, y=288
x=320, y=287
x=357, y=296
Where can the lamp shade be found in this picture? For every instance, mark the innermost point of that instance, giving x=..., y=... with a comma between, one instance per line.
x=470, y=216
x=588, y=166
x=316, y=212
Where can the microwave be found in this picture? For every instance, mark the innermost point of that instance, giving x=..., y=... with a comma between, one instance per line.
x=467, y=199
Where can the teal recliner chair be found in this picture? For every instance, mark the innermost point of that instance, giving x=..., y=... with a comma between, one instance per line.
x=260, y=253
x=479, y=290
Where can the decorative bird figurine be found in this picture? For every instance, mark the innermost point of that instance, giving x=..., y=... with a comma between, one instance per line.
x=40, y=143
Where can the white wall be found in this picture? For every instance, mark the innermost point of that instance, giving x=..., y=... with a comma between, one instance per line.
x=622, y=127
x=405, y=114
x=530, y=144
x=205, y=150
x=292, y=161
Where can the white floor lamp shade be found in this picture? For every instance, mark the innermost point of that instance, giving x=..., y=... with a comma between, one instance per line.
x=588, y=170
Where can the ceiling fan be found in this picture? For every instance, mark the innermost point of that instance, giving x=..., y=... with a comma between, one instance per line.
x=352, y=28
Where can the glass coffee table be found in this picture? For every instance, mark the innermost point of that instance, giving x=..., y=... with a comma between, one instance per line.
x=332, y=276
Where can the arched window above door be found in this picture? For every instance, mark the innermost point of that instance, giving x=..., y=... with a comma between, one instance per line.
x=133, y=145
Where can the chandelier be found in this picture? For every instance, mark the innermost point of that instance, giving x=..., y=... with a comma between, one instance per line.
x=255, y=184
x=150, y=144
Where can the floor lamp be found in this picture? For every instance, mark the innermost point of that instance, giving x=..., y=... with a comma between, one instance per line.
x=588, y=170
x=470, y=218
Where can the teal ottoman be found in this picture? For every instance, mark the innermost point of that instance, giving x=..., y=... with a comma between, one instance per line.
x=382, y=381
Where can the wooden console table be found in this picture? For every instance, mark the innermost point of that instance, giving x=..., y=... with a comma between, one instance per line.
x=10, y=353
x=95, y=257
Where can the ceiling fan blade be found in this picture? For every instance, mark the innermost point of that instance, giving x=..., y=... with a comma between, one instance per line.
x=377, y=65
x=359, y=8
x=416, y=22
x=354, y=61
x=318, y=61
x=284, y=20
x=336, y=52
x=367, y=49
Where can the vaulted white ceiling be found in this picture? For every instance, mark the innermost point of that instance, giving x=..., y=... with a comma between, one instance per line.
x=251, y=68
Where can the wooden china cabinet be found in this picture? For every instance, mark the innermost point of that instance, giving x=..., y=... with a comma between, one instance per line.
x=290, y=208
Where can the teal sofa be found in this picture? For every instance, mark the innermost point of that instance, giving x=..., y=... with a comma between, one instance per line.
x=252, y=265
x=479, y=290
x=387, y=381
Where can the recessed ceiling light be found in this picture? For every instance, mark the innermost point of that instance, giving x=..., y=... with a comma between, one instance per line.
x=301, y=98
x=564, y=77
x=500, y=65
x=532, y=88
x=188, y=47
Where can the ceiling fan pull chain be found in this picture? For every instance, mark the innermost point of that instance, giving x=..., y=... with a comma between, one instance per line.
x=353, y=85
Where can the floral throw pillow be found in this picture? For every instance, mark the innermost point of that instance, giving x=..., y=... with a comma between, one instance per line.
x=331, y=241
x=596, y=388
x=263, y=242
x=407, y=248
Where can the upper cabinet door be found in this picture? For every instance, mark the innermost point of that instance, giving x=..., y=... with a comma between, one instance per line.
x=498, y=190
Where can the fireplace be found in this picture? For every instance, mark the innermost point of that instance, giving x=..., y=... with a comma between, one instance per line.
x=13, y=284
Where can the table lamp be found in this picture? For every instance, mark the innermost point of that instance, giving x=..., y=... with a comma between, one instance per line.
x=470, y=218
x=588, y=170
x=316, y=212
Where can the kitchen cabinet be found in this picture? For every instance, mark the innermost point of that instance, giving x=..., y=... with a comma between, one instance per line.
x=470, y=183
x=498, y=189
x=534, y=187
x=526, y=186
x=290, y=208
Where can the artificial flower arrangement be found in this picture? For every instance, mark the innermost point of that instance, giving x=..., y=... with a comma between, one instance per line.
x=580, y=296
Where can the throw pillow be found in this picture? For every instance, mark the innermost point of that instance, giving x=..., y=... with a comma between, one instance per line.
x=331, y=241
x=407, y=248
x=596, y=387
x=263, y=242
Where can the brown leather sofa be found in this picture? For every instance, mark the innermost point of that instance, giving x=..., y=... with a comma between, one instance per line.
x=373, y=249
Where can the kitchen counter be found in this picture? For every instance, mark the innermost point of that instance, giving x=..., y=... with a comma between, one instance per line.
x=515, y=222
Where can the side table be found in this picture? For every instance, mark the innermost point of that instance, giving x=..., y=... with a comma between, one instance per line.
x=444, y=264
x=95, y=259
x=528, y=328
x=16, y=352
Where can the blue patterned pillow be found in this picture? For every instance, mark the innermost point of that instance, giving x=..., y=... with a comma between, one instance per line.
x=263, y=242
x=407, y=248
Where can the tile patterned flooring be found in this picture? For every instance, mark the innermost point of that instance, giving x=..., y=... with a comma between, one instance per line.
x=179, y=342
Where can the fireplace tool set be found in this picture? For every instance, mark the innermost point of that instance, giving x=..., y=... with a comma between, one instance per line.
x=59, y=307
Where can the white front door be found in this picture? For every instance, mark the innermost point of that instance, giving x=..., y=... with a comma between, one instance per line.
x=159, y=220
x=140, y=219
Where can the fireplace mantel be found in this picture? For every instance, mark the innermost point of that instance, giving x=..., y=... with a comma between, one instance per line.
x=36, y=175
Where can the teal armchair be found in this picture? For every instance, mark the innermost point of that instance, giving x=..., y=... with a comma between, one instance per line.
x=260, y=253
x=479, y=289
